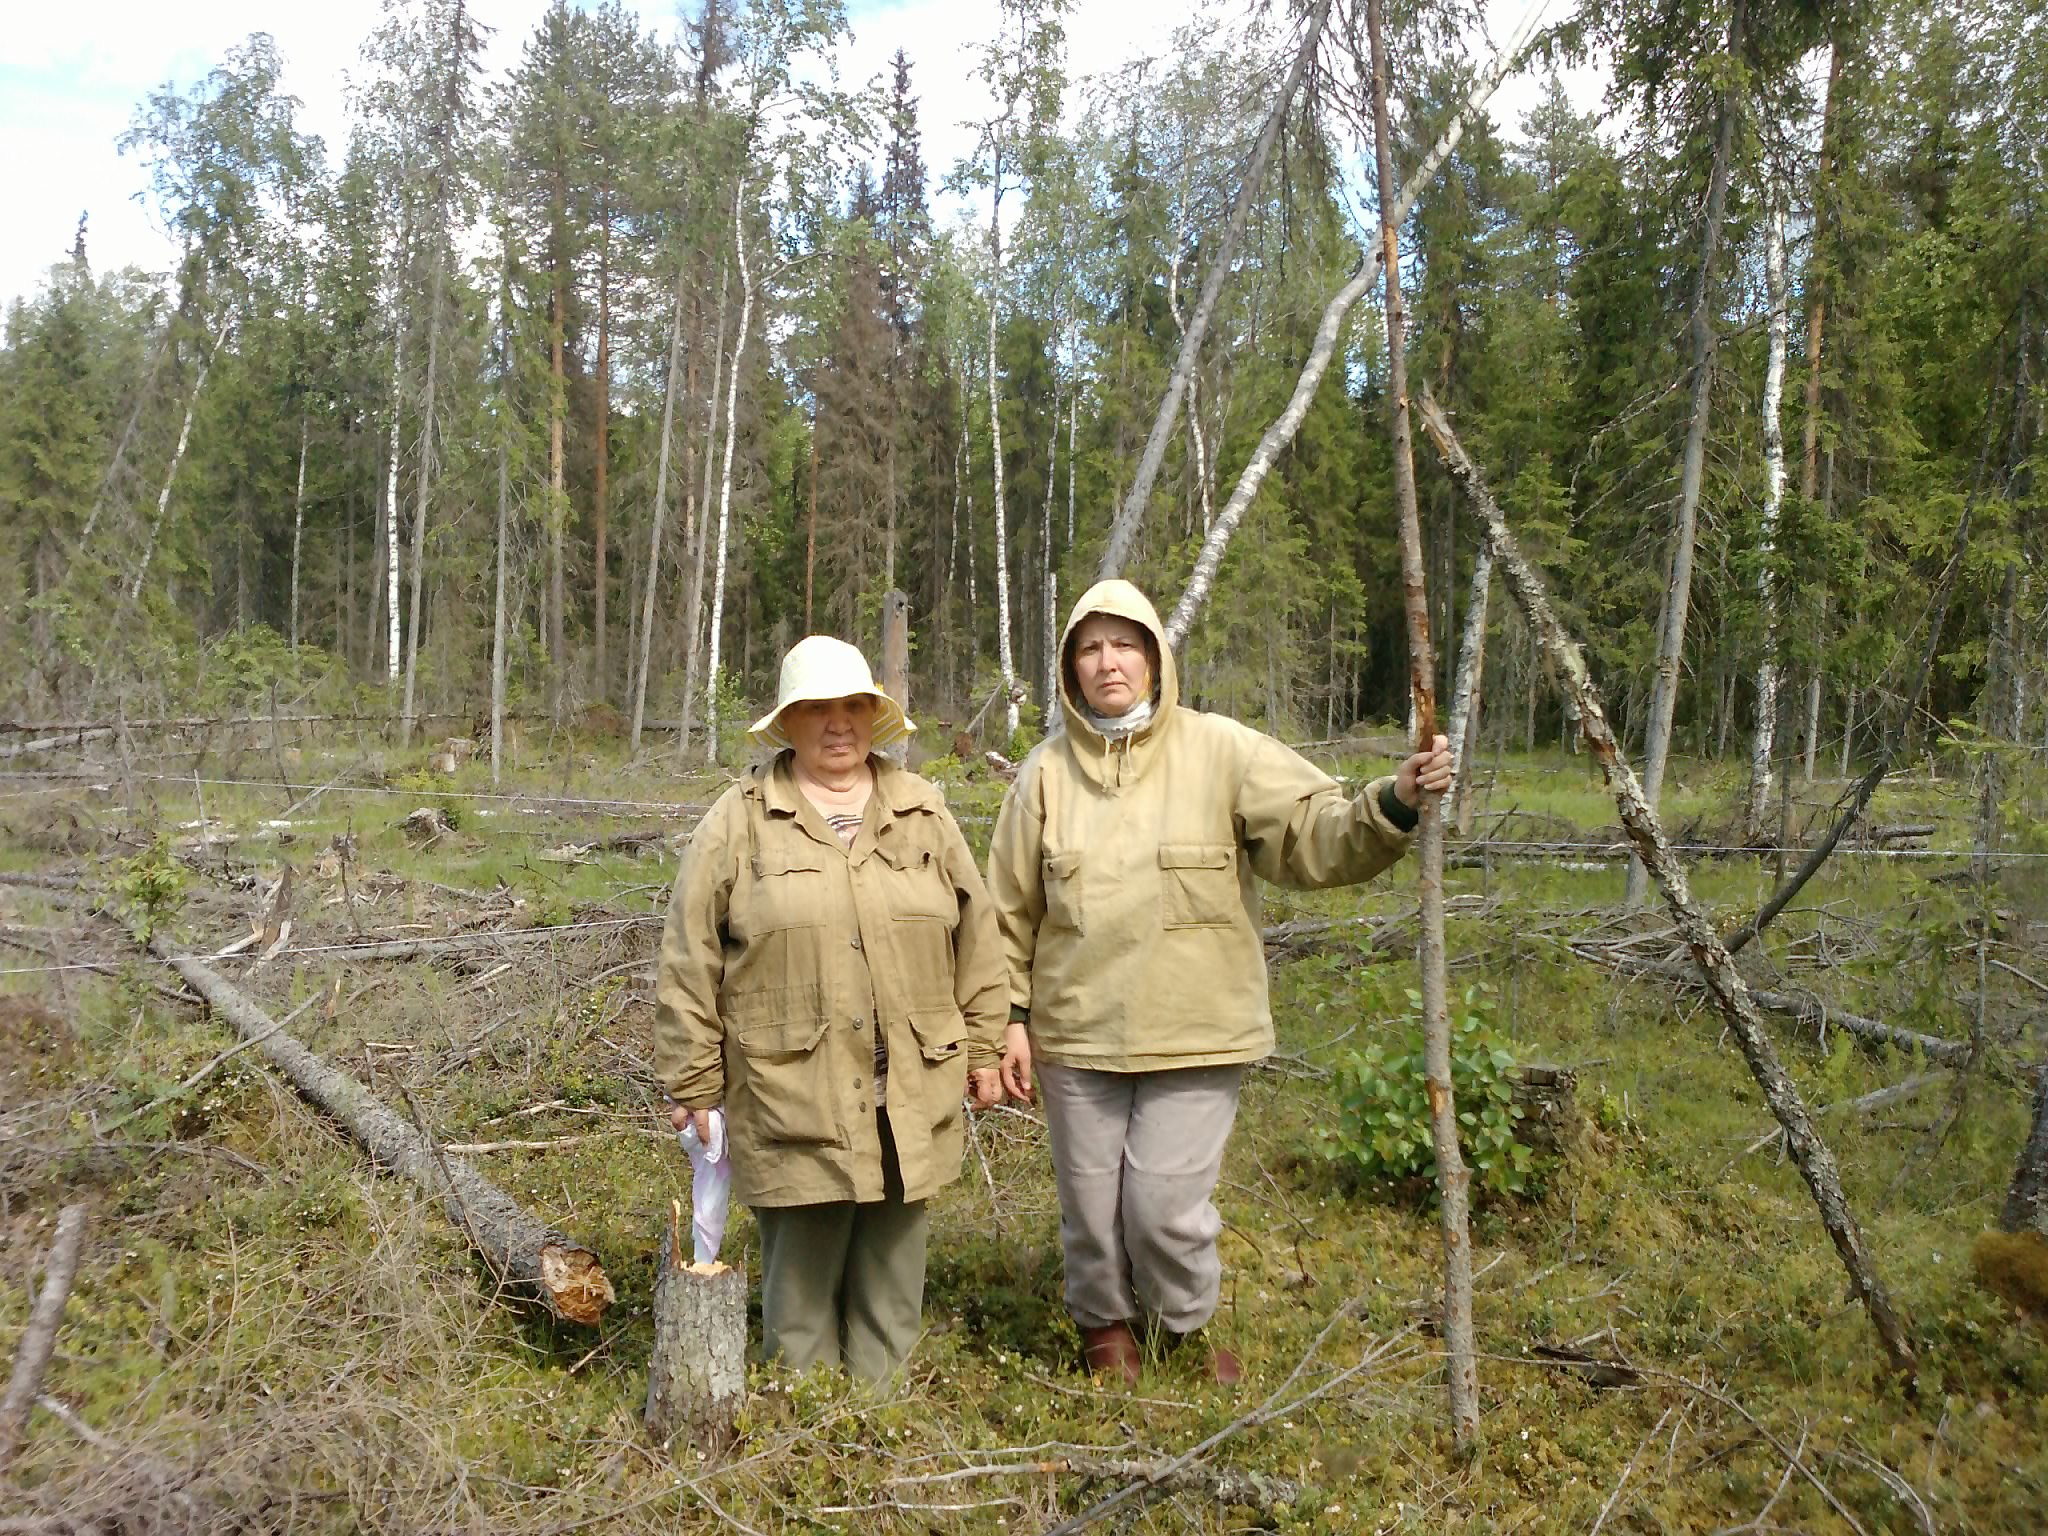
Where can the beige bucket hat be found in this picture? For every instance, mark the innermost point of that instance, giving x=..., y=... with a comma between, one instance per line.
x=820, y=667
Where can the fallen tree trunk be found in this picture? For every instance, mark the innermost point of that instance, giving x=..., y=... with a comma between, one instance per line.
x=1716, y=966
x=464, y=943
x=39, y=1341
x=530, y=1256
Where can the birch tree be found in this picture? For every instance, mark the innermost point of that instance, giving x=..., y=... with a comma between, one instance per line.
x=1767, y=534
x=1024, y=71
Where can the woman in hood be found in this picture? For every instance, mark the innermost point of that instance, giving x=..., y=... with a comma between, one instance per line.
x=1122, y=871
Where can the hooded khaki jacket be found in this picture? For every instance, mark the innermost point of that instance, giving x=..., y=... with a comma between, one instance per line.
x=1122, y=873
x=784, y=952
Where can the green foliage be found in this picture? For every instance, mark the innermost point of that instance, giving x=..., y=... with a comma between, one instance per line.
x=149, y=887
x=1383, y=1127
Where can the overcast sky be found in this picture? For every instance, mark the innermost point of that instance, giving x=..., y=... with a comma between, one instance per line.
x=69, y=84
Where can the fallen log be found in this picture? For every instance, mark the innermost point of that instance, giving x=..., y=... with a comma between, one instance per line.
x=465, y=943
x=697, y=1370
x=1808, y=1009
x=530, y=1256
x=39, y=1341
x=1716, y=964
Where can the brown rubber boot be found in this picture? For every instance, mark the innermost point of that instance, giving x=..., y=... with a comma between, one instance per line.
x=1225, y=1369
x=1112, y=1349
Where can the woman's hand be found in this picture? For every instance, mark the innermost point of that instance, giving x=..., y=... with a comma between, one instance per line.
x=985, y=1087
x=1424, y=773
x=679, y=1117
x=1016, y=1068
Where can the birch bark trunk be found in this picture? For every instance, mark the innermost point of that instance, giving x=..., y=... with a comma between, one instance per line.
x=1717, y=967
x=163, y=500
x=995, y=438
x=1465, y=691
x=298, y=529
x=391, y=648
x=1678, y=583
x=659, y=519
x=732, y=406
x=1124, y=532
x=1278, y=435
x=693, y=599
x=422, y=491
x=1452, y=1180
x=1774, y=493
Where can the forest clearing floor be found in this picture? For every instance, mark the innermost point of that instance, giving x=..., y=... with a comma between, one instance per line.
x=267, y=1334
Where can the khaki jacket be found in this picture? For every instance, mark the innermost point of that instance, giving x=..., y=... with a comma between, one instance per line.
x=1122, y=874
x=784, y=952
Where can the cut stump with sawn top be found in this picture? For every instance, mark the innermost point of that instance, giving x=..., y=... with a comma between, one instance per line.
x=697, y=1372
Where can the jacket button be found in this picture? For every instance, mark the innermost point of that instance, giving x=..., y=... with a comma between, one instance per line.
x=856, y=941
x=856, y=1085
x=859, y=1022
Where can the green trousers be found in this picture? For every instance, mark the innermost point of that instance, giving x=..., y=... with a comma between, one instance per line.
x=843, y=1283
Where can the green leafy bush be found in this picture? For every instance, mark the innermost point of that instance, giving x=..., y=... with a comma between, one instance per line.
x=148, y=888
x=1382, y=1129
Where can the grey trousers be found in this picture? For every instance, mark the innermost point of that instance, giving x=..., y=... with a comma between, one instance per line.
x=1137, y=1156
x=843, y=1283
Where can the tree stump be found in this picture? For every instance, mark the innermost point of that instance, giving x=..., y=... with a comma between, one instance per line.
x=1544, y=1094
x=697, y=1373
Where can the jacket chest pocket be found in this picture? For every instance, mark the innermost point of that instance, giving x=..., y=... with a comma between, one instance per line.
x=1198, y=885
x=1062, y=880
x=918, y=888
x=788, y=890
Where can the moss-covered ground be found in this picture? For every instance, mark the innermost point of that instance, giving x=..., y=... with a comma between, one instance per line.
x=268, y=1333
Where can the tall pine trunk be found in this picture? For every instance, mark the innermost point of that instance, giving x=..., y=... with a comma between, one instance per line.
x=504, y=424
x=1678, y=583
x=600, y=512
x=668, y=417
x=1452, y=1180
x=558, y=490
x=1767, y=537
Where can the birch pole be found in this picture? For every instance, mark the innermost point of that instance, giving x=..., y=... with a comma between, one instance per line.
x=668, y=417
x=995, y=438
x=1678, y=583
x=693, y=595
x=163, y=500
x=1452, y=1181
x=732, y=406
x=1467, y=687
x=391, y=647
x=1717, y=967
x=1124, y=532
x=298, y=528
x=422, y=490
x=1767, y=538
x=1288, y=422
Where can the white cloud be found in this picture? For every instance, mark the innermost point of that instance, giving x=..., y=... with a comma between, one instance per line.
x=64, y=101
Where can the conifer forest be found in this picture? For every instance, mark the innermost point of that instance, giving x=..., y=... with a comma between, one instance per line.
x=388, y=582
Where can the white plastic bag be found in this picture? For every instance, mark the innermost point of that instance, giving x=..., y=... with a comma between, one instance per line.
x=710, y=1185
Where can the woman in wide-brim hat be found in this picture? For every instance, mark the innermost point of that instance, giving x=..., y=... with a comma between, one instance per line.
x=832, y=975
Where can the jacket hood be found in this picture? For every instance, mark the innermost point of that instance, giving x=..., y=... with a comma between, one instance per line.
x=1124, y=601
